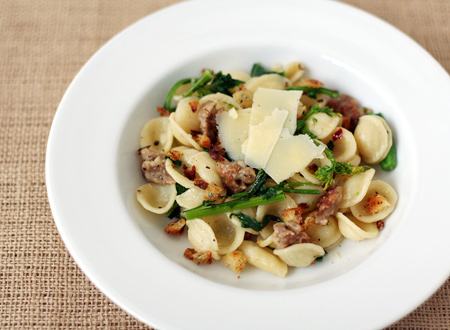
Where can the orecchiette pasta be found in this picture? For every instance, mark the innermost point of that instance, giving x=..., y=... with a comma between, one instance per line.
x=354, y=229
x=267, y=168
x=156, y=198
x=157, y=135
x=300, y=255
x=374, y=138
x=263, y=258
x=355, y=188
x=379, y=201
x=325, y=236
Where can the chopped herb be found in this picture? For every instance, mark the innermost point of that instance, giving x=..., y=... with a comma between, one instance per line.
x=249, y=222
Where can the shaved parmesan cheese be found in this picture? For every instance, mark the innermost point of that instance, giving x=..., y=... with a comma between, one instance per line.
x=266, y=100
x=233, y=127
x=296, y=152
x=263, y=137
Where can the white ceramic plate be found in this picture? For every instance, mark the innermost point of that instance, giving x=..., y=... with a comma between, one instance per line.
x=93, y=171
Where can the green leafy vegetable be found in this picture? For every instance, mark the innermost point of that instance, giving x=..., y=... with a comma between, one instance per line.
x=208, y=83
x=313, y=91
x=390, y=162
x=207, y=209
x=261, y=178
x=176, y=162
x=258, y=70
x=302, y=127
x=326, y=173
x=249, y=222
x=206, y=77
x=168, y=102
x=174, y=211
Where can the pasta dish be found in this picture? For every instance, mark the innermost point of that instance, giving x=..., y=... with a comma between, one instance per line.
x=266, y=168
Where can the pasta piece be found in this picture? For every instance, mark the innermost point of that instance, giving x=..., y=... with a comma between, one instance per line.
x=374, y=138
x=300, y=255
x=327, y=235
x=272, y=81
x=191, y=198
x=205, y=167
x=176, y=172
x=344, y=147
x=238, y=75
x=156, y=198
x=354, y=229
x=185, y=117
x=266, y=242
x=294, y=71
x=157, y=134
x=355, y=160
x=202, y=237
x=263, y=258
x=322, y=125
x=305, y=199
x=181, y=135
x=229, y=235
x=222, y=101
x=355, y=188
x=362, y=212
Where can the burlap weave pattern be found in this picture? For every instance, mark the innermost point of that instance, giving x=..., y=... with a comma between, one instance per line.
x=43, y=44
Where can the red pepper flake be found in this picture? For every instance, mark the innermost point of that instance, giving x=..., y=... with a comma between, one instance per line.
x=193, y=105
x=337, y=135
x=201, y=184
x=162, y=111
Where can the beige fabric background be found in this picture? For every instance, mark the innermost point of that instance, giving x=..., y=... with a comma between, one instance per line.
x=43, y=44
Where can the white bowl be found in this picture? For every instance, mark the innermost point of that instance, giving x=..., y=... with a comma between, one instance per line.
x=93, y=170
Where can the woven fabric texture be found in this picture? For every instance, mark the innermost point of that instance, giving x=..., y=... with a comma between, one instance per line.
x=43, y=45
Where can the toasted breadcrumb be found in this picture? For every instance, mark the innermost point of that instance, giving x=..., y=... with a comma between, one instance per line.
x=176, y=227
x=244, y=98
x=213, y=192
x=235, y=260
x=204, y=257
x=376, y=203
x=162, y=111
x=174, y=155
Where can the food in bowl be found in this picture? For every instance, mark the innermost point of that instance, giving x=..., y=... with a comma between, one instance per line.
x=269, y=168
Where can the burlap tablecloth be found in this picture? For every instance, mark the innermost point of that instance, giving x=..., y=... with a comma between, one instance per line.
x=43, y=44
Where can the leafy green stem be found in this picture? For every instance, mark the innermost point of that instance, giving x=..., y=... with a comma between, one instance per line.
x=207, y=209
